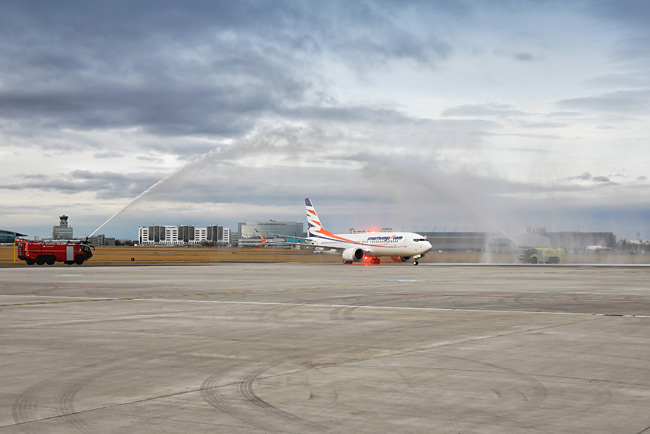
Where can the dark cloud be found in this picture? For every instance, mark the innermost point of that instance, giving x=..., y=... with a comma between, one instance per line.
x=105, y=185
x=192, y=68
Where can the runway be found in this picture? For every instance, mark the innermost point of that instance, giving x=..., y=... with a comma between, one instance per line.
x=298, y=348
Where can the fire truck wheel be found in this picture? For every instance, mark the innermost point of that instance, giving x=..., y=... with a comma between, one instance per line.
x=29, y=261
x=79, y=259
x=50, y=260
x=40, y=260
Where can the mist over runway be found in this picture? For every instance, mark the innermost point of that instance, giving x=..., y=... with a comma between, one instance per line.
x=325, y=348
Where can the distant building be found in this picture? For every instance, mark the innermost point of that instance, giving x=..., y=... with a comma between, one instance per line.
x=62, y=231
x=248, y=232
x=534, y=237
x=217, y=234
x=8, y=237
x=183, y=235
x=361, y=231
x=469, y=242
x=578, y=241
x=101, y=240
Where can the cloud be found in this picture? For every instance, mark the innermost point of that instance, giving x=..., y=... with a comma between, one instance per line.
x=622, y=102
x=255, y=104
x=540, y=125
x=627, y=13
x=585, y=176
x=587, y=179
x=523, y=57
x=201, y=68
x=478, y=110
x=108, y=154
x=631, y=80
x=105, y=185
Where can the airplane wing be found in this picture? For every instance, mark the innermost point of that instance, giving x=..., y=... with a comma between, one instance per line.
x=308, y=243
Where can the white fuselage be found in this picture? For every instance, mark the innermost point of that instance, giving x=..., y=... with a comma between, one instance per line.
x=376, y=243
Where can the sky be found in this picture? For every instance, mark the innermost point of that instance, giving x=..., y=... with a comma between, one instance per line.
x=431, y=115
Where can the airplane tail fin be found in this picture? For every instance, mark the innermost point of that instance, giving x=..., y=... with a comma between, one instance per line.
x=313, y=222
x=262, y=237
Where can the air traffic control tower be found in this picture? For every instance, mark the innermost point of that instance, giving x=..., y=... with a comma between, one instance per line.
x=62, y=231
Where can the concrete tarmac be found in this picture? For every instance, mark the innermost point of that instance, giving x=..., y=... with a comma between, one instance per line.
x=297, y=348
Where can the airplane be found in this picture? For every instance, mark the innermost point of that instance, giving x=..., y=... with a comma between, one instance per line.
x=400, y=246
x=596, y=249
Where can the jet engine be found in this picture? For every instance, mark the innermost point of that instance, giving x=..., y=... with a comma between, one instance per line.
x=353, y=255
x=400, y=258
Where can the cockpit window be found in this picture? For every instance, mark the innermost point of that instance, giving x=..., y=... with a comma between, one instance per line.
x=419, y=239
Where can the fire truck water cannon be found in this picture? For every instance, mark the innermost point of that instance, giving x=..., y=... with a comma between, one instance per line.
x=36, y=252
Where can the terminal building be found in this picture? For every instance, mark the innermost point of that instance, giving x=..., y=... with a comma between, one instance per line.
x=183, y=235
x=248, y=235
x=470, y=242
x=534, y=237
x=9, y=237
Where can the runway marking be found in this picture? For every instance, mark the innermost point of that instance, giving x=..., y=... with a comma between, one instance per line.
x=481, y=296
x=365, y=306
x=56, y=275
x=167, y=298
x=313, y=290
x=149, y=297
x=47, y=296
x=396, y=281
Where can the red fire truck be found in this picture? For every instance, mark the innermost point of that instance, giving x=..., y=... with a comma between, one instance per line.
x=35, y=252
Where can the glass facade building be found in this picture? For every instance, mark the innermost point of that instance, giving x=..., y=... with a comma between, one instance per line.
x=249, y=236
x=8, y=237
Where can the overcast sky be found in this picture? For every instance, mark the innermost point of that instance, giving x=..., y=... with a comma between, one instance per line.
x=425, y=115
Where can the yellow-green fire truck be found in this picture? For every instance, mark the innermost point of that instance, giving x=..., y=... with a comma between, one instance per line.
x=541, y=255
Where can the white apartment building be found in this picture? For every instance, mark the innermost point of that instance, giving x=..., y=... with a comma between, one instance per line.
x=182, y=235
